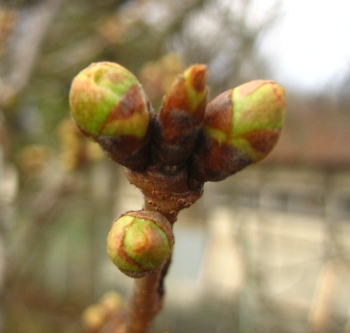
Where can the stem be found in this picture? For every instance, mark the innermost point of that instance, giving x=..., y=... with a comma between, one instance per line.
x=145, y=302
x=168, y=195
x=148, y=294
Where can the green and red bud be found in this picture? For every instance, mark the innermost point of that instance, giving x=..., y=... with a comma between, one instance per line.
x=240, y=127
x=139, y=242
x=188, y=93
x=109, y=106
x=180, y=117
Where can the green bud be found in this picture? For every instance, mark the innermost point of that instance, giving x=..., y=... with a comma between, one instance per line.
x=109, y=106
x=106, y=99
x=181, y=114
x=139, y=242
x=240, y=127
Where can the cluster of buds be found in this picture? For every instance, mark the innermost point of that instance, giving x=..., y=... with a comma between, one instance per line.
x=173, y=151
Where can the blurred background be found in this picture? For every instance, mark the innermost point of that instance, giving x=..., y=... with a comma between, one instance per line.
x=266, y=250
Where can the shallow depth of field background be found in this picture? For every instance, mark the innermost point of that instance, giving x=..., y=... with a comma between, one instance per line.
x=266, y=250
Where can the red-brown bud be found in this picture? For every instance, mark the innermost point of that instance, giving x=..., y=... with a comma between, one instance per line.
x=240, y=127
x=178, y=122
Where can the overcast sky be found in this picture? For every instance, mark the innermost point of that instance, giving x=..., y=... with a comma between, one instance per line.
x=310, y=44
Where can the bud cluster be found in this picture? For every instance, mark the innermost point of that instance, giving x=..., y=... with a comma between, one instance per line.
x=237, y=128
x=169, y=155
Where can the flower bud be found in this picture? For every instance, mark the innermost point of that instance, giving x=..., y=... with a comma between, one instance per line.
x=181, y=114
x=111, y=301
x=94, y=317
x=240, y=127
x=109, y=106
x=139, y=242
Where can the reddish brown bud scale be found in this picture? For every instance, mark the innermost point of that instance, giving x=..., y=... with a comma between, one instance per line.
x=180, y=117
x=214, y=162
x=262, y=141
x=128, y=150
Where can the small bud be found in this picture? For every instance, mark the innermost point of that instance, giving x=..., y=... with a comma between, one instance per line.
x=139, y=242
x=109, y=106
x=111, y=301
x=180, y=117
x=240, y=127
x=94, y=317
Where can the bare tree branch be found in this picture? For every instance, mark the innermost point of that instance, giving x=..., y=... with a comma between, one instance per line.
x=24, y=47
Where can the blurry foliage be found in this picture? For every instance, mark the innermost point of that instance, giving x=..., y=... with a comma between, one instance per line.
x=32, y=159
x=157, y=76
x=7, y=23
x=108, y=311
x=76, y=149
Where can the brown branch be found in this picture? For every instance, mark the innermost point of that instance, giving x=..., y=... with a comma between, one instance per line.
x=148, y=295
x=167, y=194
x=146, y=302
